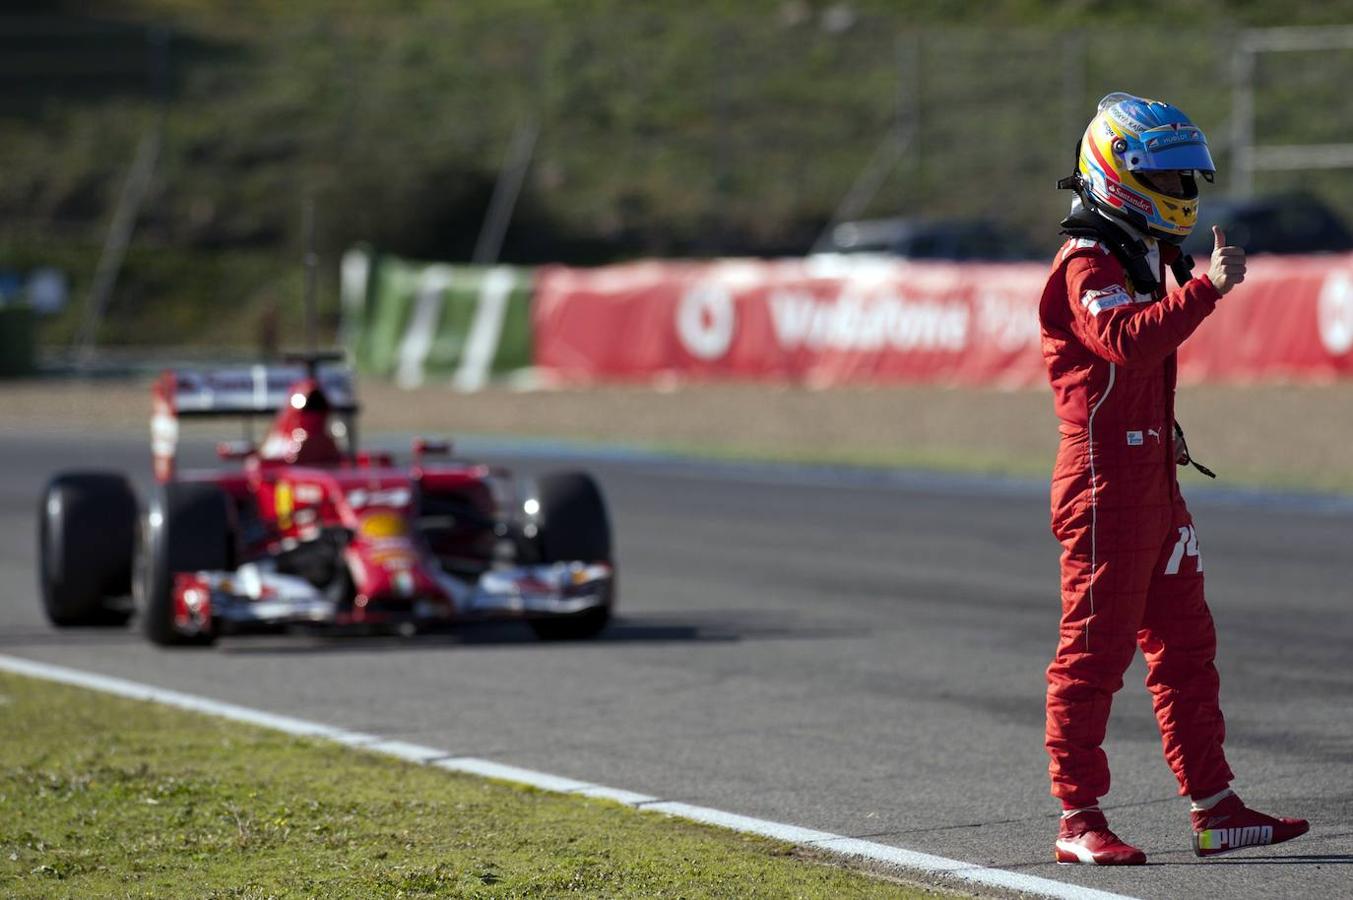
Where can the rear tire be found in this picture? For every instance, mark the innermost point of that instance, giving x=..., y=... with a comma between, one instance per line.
x=573, y=527
x=86, y=533
x=188, y=528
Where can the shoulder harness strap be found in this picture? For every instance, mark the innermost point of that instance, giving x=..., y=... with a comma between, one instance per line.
x=1182, y=267
x=1130, y=252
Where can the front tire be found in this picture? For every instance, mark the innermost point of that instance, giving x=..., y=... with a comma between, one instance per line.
x=86, y=533
x=573, y=526
x=188, y=528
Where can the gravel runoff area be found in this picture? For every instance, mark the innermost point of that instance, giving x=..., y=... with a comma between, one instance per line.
x=1273, y=435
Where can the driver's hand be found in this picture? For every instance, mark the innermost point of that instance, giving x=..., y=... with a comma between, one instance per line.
x=1228, y=263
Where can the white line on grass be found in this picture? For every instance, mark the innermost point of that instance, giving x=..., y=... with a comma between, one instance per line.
x=842, y=845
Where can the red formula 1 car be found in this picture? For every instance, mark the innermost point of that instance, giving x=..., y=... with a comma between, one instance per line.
x=310, y=532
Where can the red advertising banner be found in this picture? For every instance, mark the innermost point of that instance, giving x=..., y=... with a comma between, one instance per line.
x=838, y=320
x=1291, y=320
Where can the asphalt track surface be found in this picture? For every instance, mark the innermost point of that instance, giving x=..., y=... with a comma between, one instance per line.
x=860, y=654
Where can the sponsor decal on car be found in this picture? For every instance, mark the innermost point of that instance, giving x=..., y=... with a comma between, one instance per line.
x=393, y=497
x=378, y=525
x=283, y=504
x=309, y=493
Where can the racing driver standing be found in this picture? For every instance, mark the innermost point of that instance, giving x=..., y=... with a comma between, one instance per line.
x=1131, y=570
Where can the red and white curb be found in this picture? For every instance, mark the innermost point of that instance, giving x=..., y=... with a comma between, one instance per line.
x=922, y=863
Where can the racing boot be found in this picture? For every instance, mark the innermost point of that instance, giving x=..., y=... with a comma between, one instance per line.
x=1085, y=839
x=1230, y=825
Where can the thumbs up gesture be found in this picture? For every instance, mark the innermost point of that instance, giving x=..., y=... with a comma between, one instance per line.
x=1228, y=263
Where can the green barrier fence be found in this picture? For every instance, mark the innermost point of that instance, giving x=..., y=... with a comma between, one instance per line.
x=420, y=322
x=16, y=341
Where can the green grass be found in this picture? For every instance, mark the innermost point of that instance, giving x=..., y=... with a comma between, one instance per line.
x=106, y=797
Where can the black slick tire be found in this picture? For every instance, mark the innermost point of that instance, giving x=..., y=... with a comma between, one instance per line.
x=573, y=526
x=187, y=528
x=86, y=534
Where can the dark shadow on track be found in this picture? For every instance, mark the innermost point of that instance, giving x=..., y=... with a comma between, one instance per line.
x=1159, y=857
x=1183, y=857
x=736, y=626
x=1298, y=859
x=1308, y=859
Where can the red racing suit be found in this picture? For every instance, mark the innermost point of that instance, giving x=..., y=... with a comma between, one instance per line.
x=1131, y=571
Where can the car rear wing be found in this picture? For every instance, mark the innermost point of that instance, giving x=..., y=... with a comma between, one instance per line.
x=245, y=391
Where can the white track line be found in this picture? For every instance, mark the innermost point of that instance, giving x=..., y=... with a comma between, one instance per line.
x=924, y=863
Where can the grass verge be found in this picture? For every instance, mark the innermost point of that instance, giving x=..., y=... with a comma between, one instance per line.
x=101, y=796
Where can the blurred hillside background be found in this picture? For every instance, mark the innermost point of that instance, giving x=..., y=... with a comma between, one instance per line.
x=695, y=129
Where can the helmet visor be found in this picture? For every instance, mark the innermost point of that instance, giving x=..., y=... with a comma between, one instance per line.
x=1179, y=147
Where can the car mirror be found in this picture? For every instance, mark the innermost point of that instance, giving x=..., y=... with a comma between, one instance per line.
x=429, y=447
x=234, y=449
